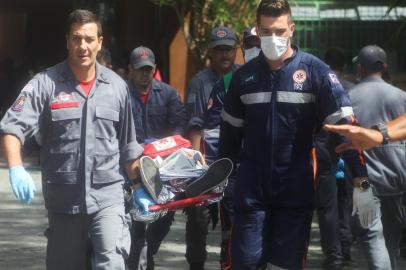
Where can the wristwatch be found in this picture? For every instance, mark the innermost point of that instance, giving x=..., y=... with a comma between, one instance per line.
x=363, y=184
x=381, y=127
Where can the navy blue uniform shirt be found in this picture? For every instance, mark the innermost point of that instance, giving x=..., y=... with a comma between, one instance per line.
x=163, y=115
x=275, y=113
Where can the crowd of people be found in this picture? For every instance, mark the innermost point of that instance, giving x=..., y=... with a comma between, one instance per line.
x=282, y=118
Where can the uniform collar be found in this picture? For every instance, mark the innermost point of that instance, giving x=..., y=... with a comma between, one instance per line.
x=101, y=75
x=65, y=73
x=155, y=85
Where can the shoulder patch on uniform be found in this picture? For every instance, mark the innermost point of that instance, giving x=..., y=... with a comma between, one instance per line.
x=19, y=104
x=333, y=78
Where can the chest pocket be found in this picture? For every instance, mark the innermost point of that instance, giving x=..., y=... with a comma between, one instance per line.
x=106, y=150
x=60, y=164
x=106, y=122
x=65, y=127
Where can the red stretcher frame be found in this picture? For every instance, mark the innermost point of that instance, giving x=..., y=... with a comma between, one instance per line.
x=183, y=203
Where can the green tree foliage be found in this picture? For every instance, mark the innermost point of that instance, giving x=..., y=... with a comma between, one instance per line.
x=197, y=18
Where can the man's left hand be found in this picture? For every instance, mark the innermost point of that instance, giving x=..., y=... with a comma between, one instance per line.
x=366, y=206
x=143, y=199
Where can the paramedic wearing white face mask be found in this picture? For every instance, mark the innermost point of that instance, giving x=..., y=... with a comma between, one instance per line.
x=275, y=34
x=273, y=105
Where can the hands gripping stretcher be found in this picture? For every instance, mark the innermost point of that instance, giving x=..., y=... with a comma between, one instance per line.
x=178, y=179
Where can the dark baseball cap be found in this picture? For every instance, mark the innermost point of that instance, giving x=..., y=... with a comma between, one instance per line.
x=142, y=56
x=222, y=36
x=249, y=32
x=371, y=57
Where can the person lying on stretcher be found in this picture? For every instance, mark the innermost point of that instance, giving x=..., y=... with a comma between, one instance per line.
x=176, y=178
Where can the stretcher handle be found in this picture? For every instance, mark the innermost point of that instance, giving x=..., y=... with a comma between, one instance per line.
x=178, y=204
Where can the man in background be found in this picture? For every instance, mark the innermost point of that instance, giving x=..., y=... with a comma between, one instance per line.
x=158, y=112
x=376, y=102
x=104, y=57
x=222, y=53
x=212, y=119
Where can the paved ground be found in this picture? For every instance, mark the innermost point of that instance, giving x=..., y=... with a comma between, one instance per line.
x=22, y=244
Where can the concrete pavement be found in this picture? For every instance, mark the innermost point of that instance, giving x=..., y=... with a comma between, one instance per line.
x=22, y=244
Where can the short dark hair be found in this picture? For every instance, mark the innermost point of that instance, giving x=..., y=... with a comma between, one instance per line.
x=82, y=16
x=273, y=8
x=335, y=58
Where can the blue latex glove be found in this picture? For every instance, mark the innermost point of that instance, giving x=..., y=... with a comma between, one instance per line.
x=142, y=199
x=339, y=174
x=22, y=184
x=340, y=164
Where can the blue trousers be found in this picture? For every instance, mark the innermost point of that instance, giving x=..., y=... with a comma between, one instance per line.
x=279, y=236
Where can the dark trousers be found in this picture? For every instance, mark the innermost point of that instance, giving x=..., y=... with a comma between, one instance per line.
x=394, y=222
x=146, y=240
x=344, y=205
x=226, y=217
x=197, y=223
x=332, y=203
x=270, y=234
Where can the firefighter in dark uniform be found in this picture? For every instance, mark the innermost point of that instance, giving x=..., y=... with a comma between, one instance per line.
x=158, y=112
x=82, y=111
x=274, y=104
x=222, y=51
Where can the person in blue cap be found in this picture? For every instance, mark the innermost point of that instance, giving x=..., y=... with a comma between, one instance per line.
x=212, y=118
x=222, y=54
x=158, y=112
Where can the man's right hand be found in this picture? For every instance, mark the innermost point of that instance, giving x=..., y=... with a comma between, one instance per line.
x=142, y=199
x=22, y=184
x=361, y=138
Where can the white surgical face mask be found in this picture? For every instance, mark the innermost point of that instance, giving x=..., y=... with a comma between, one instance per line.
x=274, y=47
x=251, y=53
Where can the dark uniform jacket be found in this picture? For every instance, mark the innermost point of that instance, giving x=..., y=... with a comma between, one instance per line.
x=198, y=93
x=163, y=115
x=273, y=114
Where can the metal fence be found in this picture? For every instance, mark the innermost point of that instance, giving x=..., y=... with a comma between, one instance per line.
x=350, y=25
